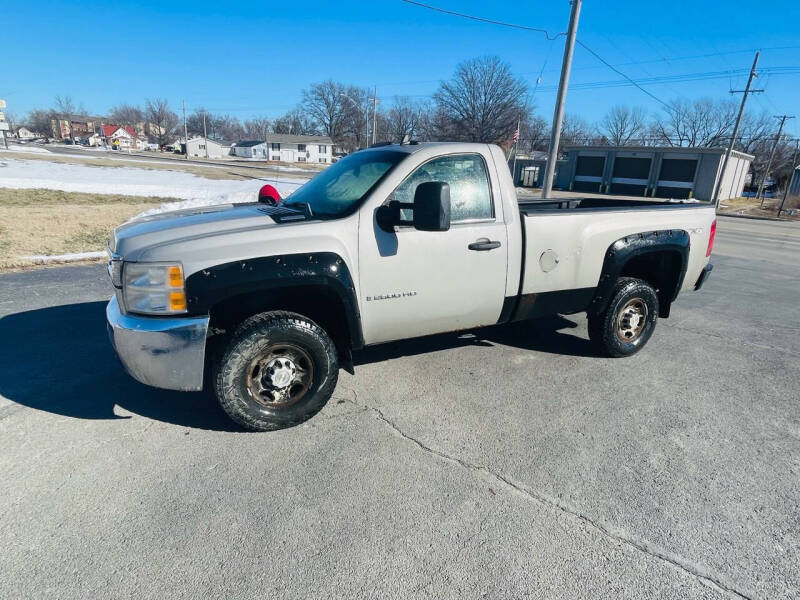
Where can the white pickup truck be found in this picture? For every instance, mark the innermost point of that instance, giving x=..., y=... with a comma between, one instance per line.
x=389, y=243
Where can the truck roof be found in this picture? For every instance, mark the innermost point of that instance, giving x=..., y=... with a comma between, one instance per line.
x=413, y=147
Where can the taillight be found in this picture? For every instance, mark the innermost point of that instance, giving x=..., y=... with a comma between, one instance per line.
x=711, y=238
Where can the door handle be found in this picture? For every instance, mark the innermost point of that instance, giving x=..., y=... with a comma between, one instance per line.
x=483, y=244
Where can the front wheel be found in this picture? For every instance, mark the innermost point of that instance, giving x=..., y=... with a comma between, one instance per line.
x=278, y=370
x=629, y=320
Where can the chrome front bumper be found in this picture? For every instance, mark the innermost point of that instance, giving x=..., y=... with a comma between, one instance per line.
x=163, y=352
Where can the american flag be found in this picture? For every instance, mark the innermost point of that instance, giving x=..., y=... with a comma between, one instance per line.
x=516, y=135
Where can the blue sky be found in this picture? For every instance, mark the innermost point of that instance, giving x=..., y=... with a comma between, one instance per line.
x=255, y=58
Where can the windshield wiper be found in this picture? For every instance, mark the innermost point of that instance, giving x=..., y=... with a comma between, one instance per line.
x=304, y=206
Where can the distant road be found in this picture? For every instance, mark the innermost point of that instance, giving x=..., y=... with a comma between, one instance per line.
x=777, y=241
x=149, y=156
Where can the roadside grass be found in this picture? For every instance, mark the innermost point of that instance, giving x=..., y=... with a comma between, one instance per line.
x=752, y=207
x=49, y=222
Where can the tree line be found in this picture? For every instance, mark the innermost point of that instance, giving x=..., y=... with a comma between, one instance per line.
x=482, y=102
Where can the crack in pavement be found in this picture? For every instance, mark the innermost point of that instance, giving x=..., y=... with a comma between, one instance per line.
x=704, y=577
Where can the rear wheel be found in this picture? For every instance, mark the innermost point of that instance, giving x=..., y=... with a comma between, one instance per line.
x=279, y=369
x=629, y=320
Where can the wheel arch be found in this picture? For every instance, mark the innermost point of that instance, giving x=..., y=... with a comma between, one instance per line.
x=657, y=257
x=316, y=285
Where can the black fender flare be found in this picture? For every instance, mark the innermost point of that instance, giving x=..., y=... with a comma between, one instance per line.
x=209, y=286
x=624, y=249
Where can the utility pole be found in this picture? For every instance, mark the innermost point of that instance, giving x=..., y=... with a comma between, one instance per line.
x=561, y=97
x=4, y=123
x=205, y=136
x=791, y=176
x=516, y=149
x=746, y=91
x=771, y=156
x=374, y=113
x=185, y=132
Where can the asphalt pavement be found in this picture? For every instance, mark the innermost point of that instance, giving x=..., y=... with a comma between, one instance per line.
x=506, y=463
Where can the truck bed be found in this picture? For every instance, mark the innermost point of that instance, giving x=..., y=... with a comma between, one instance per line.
x=603, y=204
x=565, y=241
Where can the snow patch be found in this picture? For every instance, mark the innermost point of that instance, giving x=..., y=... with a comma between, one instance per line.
x=26, y=149
x=43, y=258
x=131, y=181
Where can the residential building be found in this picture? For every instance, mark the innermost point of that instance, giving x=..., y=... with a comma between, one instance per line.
x=64, y=129
x=207, y=148
x=250, y=149
x=24, y=133
x=658, y=172
x=121, y=137
x=287, y=148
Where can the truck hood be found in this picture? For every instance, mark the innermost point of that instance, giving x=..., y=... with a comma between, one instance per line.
x=169, y=227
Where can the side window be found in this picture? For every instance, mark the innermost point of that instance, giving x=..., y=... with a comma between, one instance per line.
x=470, y=198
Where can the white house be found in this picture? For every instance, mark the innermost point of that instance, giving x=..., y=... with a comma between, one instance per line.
x=24, y=133
x=207, y=148
x=287, y=148
x=122, y=138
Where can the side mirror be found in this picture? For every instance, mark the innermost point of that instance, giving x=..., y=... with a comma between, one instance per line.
x=432, y=206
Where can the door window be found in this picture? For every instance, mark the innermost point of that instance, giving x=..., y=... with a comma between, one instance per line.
x=470, y=198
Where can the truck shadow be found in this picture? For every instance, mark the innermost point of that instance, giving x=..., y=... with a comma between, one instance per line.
x=59, y=360
x=541, y=335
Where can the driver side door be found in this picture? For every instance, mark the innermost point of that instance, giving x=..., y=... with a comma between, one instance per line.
x=415, y=283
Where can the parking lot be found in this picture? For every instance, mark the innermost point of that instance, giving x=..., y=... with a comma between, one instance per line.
x=505, y=463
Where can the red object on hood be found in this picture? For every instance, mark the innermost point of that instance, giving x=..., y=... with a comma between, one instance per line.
x=268, y=195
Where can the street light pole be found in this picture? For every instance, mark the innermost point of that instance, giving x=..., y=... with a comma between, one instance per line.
x=561, y=97
x=791, y=176
x=366, y=117
x=771, y=156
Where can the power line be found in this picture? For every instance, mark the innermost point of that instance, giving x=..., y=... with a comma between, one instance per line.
x=547, y=34
x=618, y=72
x=538, y=30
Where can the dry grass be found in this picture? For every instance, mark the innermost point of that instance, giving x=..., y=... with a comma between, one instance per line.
x=752, y=208
x=50, y=222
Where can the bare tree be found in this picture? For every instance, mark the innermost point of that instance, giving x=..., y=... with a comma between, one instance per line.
x=403, y=120
x=126, y=114
x=435, y=124
x=701, y=123
x=623, y=126
x=219, y=127
x=295, y=122
x=39, y=121
x=754, y=131
x=576, y=130
x=161, y=118
x=357, y=119
x=483, y=101
x=325, y=104
x=534, y=134
x=257, y=128
x=11, y=119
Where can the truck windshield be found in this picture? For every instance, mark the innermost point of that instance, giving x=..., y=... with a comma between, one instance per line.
x=341, y=186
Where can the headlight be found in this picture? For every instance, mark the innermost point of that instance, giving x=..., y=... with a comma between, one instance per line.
x=154, y=288
x=115, y=269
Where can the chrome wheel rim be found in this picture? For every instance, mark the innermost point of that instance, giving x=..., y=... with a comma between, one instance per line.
x=280, y=375
x=631, y=320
